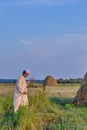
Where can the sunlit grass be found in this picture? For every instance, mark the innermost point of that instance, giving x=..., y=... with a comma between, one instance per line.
x=46, y=110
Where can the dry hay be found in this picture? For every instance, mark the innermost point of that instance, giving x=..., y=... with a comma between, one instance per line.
x=81, y=97
x=49, y=81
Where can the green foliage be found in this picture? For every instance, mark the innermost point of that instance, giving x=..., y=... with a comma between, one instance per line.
x=32, y=117
x=70, y=81
x=43, y=113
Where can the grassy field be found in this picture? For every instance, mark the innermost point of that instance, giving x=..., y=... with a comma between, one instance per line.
x=49, y=110
x=65, y=90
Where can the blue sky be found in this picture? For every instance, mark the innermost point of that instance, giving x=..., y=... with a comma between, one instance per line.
x=47, y=36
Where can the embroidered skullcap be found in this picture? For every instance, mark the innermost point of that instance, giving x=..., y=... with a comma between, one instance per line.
x=27, y=71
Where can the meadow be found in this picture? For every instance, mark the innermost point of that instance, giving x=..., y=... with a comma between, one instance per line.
x=49, y=110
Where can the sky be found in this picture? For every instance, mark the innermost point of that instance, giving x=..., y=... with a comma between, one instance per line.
x=49, y=37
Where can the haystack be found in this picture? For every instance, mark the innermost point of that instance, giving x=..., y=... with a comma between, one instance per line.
x=50, y=81
x=81, y=97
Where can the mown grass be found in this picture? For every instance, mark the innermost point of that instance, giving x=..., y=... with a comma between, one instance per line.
x=45, y=112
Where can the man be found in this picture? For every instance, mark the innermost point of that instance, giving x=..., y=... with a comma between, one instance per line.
x=20, y=92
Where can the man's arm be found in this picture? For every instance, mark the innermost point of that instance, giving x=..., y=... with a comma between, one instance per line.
x=20, y=86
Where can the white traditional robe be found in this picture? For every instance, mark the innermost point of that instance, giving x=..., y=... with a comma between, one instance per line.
x=19, y=97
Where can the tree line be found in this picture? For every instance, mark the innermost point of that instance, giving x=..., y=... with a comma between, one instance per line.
x=60, y=80
x=69, y=81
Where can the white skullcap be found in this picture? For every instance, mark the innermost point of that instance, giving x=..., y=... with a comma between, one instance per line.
x=27, y=71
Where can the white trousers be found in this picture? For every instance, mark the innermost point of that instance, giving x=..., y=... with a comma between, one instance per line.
x=20, y=100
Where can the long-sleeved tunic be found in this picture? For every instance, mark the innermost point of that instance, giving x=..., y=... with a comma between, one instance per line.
x=20, y=98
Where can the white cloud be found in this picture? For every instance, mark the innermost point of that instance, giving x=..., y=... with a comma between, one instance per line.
x=63, y=39
x=60, y=40
x=36, y=2
x=1, y=7
x=54, y=2
x=57, y=46
x=66, y=54
x=48, y=2
x=73, y=38
x=26, y=42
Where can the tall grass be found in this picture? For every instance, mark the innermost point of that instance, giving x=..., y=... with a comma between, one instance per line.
x=34, y=117
x=43, y=113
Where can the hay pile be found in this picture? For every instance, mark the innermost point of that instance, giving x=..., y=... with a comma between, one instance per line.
x=49, y=81
x=81, y=97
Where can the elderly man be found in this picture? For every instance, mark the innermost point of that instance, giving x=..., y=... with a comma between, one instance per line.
x=20, y=92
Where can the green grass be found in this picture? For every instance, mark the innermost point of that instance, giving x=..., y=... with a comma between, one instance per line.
x=46, y=111
x=38, y=113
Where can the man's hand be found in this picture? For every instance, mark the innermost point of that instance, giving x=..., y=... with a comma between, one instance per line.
x=28, y=82
x=25, y=92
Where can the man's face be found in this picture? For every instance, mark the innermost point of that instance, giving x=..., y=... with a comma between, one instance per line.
x=26, y=75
